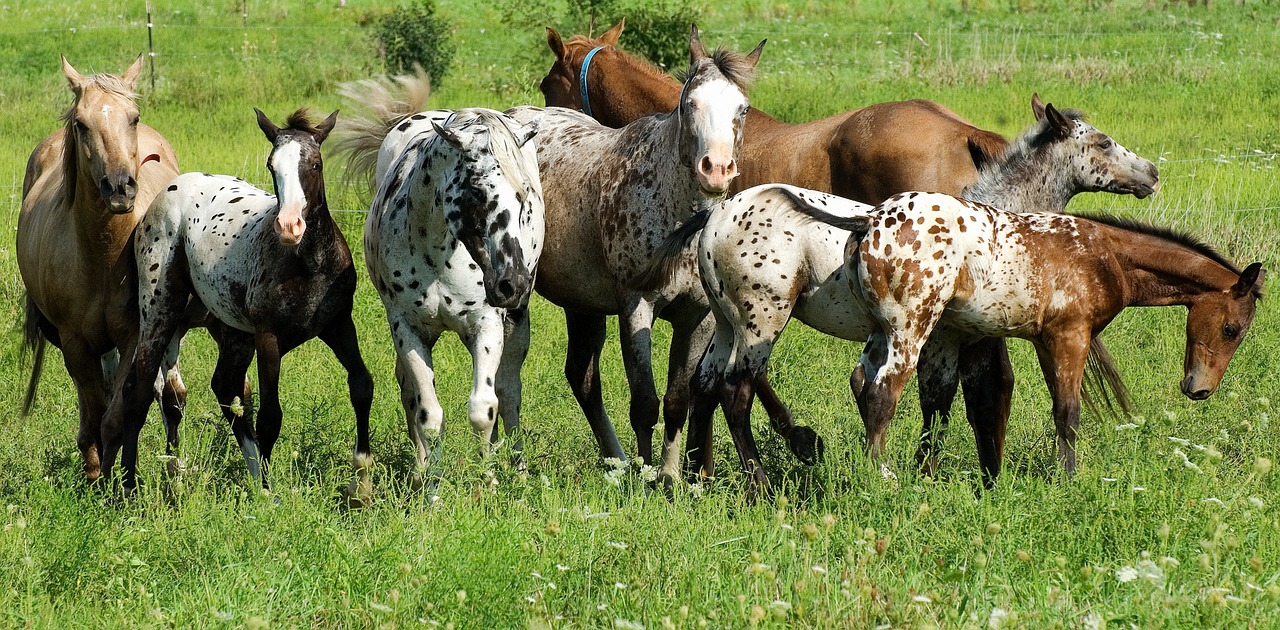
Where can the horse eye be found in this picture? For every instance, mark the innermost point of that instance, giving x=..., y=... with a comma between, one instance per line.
x=80, y=126
x=134, y=122
x=1105, y=144
x=1229, y=331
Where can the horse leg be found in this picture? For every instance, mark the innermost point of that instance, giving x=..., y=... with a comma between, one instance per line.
x=416, y=377
x=986, y=376
x=582, y=369
x=340, y=336
x=635, y=327
x=485, y=341
x=514, y=351
x=270, y=350
x=85, y=368
x=937, y=381
x=235, y=353
x=704, y=390
x=172, y=394
x=736, y=396
x=1062, y=358
x=687, y=334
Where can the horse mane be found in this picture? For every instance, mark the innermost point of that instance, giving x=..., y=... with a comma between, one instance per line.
x=1171, y=235
x=642, y=65
x=732, y=64
x=1015, y=154
x=109, y=83
x=300, y=120
x=505, y=151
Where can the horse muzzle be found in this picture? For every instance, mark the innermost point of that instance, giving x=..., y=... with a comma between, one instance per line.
x=1195, y=389
x=118, y=193
x=714, y=176
x=290, y=229
x=1145, y=184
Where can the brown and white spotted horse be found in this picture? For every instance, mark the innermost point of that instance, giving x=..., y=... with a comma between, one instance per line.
x=612, y=196
x=1056, y=280
x=273, y=271
x=764, y=263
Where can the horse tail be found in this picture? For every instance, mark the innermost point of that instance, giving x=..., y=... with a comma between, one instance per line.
x=662, y=265
x=858, y=225
x=986, y=147
x=32, y=341
x=379, y=104
x=1104, y=391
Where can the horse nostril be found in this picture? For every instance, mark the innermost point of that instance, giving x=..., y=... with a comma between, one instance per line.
x=1199, y=394
x=505, y=288
x=705, y=164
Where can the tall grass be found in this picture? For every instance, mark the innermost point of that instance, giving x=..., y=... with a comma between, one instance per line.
x=1170, y=520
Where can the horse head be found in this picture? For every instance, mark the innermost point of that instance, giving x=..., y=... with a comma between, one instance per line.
x=712, y=110
x=1102, y=163
x=1216, y=324
x=498, y=189
x=296, y=170
x=562, y=86
x=102, y=134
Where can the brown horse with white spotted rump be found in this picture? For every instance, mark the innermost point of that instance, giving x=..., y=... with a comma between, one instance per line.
x=937, y=272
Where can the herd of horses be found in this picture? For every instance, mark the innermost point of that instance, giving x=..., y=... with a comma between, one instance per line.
x=610, y=201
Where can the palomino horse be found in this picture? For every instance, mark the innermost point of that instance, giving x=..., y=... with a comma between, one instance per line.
x=451, y=243
x=612, y=196
x=763, y=263
x=85, y=189
x=273, y=273
x=1056, y=280
x=865, y=154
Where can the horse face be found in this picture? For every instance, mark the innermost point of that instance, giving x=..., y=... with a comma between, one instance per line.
x=297, y=171
x=489, y=203
x=1215, y=327
x=103, y=132
x=560, y=86
x=712, y=110
x=1102, y=163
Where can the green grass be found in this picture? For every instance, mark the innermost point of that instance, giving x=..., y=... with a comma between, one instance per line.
x=1195, y=88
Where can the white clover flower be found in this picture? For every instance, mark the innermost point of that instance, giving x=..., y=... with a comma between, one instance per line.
x=627, y=624
x=999, y=617
x=619, y=585
x=615, y=463
x=1255, y=502
x=616, y=545
x=1126, y=426
x=648, y=473
x=1179, y=440
x=1094, y=621
x=1126, y=574
x=614, y=477
x=561, y=567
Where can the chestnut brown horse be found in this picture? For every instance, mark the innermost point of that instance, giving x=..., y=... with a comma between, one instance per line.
x=865, y=154
x=86, y=187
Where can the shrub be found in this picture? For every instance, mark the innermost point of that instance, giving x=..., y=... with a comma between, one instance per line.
x=415, y=34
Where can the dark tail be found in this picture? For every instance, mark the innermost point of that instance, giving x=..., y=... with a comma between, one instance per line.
x=662, y=265
x=986, y=147
x=1104, y=390
x=32, y=341
x=856, y=224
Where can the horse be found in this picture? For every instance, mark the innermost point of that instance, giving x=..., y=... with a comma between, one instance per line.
x=272, y=270
x=1056, y=280
x=451, y=243
x=86, y=186
x=763, y=263
x=865, y=154
x=611, y=196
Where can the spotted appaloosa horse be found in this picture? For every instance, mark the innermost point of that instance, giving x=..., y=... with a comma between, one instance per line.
x=612, y=196
x=86, y=187
x=273, y=271
x=763, y=262
x=451, y=243
x=1056, y=280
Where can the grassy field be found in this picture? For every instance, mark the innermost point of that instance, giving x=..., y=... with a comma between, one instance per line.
x=1169, y=522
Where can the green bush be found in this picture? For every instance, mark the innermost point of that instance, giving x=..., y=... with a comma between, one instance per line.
x=657, y=30
x=415, y=34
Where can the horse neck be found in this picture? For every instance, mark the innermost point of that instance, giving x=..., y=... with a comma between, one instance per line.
x=626, y=90
x=87, y=212
x=682, y=193
x=1025, y=180
x=1161, y=272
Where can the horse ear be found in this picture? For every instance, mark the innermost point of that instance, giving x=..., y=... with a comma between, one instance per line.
x=73, y=76
x=1059, y=123
x=610, y=37
x=130, y=76
x=696, y=49
x=555, y=43
x=1250, y=281
x=268, y=128
x=1037, y=106
x=754, y=57
x=451, y=136
x=525, y=132
x=323, y=129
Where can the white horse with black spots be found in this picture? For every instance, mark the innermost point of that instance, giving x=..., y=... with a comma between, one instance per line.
x=273, y=271
x=452, y=241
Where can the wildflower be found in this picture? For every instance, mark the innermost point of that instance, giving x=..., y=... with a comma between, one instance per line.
x=627, y=624
x=1261, y=466
x=614, y=477
x=757, y=614
x=1126, y=574
x=810, y=531
x=1163, y=532
x=993, y=529
x=1255, y=502
x=648, y=473
x=923, y=599
x=780, y=608
x=561, y=567
x=615, y=463
x=619, y=585
x=553, y=527
x=1126, y=426
x=616, y=545
x=819, y=569
x=462, y=596
x=998, y=619
x=1023, y=556
x=828, y=520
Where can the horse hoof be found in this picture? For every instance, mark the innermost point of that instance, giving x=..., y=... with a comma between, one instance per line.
x=806, y=445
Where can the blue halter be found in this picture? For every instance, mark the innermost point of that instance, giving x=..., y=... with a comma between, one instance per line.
x=582, y=79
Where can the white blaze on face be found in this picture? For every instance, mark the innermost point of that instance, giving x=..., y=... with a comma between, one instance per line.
x=290, y=196
x=106, y=111
x=716, y=105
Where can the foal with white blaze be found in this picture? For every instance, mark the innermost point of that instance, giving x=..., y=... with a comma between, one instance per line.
x=612, y=196
x=451, y=243
x=273, y=271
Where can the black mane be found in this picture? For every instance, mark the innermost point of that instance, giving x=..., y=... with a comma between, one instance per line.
x=1169, y=234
